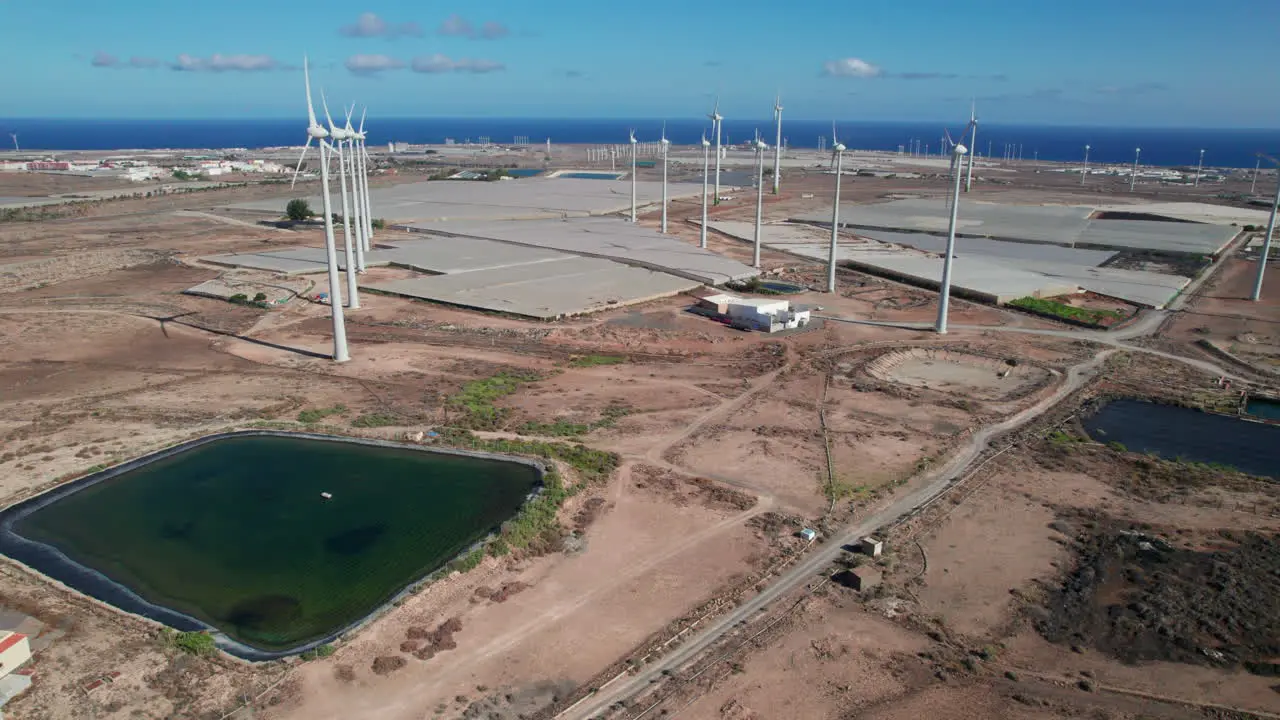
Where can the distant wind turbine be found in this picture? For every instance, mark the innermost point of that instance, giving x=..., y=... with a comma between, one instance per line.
x=341, y=136
x=665, y=145
x=837, y=152
x=14, y=135
x=357, y=197
x=633, y=176
x=706, y=172
x=777, y=144
x=1133, y=179
x=973, y=143
x=760, y=147
x=717, y=123
x=944, y=294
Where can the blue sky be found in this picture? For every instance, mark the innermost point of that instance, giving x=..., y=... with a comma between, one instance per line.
x=1100, y=62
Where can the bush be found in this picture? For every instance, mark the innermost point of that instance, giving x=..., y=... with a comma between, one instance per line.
x=260, y=297
x=320, y=651
x=374, y=420
x=298, y=210
x=317, y=414
x=1068, y=312
x=594, y=360
x=196, y=643
x=378, y=223
x=476, y=399
x=1117, y=446
x=239, y=298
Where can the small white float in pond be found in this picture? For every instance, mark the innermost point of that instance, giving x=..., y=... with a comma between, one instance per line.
x=326, y=496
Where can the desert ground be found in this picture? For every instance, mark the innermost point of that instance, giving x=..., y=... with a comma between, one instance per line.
x=998, y=596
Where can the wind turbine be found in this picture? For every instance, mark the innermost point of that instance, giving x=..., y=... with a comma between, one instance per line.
x=1199, y=167
x=633, y=176
x=341, y=136
x=1266, y=240
x=1253, y=184
x=760, y=147
x=777, y=145
x=318, y=133
x=706, y=172
x=14, y=135
x=1133, y=179
x=716, y=123
x=1084, y=173
x=357, y=198
x=665, y=144
x=364, y=187
x=944, y=294
x=837, y=151
x=973, y=142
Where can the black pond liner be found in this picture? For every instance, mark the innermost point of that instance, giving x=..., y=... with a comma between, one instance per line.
x=54, y=564
x=1176, y=432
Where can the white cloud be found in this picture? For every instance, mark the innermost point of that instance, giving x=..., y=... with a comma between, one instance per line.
x=107, y=60
x=372, y=64
x=370, y=25
x=852, y=67
x=493, y=30
x=104, y=59
x=439, y=63
x=456, y=25
x=225, y=63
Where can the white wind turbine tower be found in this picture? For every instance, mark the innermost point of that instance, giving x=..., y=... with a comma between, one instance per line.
x=1133, y=179
x=318, y=133
x=364, y=187
x=837, y=151
x=973, y=142
x=777, y=145
x=665, y=145
x=716, y=122
x=760, y=147
x=944, y=294
x=1199, y=167
x=633, y=176
x=357, y=198
x=14, y=135
x=706, y=173
x=341, y=136
x=1084, y=172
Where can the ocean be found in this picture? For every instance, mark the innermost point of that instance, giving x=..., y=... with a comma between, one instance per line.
x=1160, y=146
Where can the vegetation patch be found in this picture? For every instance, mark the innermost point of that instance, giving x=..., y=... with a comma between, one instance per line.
x=564, y=428
x=376, y=420
x=596, y=360
x=474, y=403
x=1062, y=311
x=315, y=415
x=195, y=643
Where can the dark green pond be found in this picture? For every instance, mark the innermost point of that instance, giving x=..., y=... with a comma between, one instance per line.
x=235, y=533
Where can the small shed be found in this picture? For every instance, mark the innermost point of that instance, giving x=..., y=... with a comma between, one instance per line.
x=809, y=534
x=860, y=579
x=872, y=547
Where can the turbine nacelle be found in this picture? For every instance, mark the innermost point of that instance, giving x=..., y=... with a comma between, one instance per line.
x=960, y=150
x=837, y=148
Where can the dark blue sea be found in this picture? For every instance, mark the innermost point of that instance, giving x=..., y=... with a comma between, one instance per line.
x=1160, y=146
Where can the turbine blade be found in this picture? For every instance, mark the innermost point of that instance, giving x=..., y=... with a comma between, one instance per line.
x=349, y=111
x=362, y=114
x=311, y=108
x=300, y=159
x=327, y=117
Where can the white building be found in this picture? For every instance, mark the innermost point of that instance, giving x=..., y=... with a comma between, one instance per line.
x=764, y=314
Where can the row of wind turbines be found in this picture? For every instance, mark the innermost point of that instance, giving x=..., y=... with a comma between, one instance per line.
x=348, y=145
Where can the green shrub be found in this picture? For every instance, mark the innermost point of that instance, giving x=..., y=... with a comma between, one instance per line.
x=374, y=420
x=260, y=297
x=1056, y=309
x=298, y=210
x=240, y=298
x=1117, y=446
x=594, y=360
x=378, y=224
x=319, y=651
x=318, y=414
x=475, y=399
x=196, y=643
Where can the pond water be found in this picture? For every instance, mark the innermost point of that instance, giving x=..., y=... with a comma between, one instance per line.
x=592, y=175
x=1178, y=432
x=524, y=172
x=1263, y=408
x=235, y=533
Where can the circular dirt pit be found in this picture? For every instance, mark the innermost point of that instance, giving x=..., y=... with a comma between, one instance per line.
x=958, y=372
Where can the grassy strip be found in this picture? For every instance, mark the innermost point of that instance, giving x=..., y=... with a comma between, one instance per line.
x=475, y=400
x=317, y=414
x=375, y=420
x=1067, y=312
x=563, y=428
x=596, y=360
